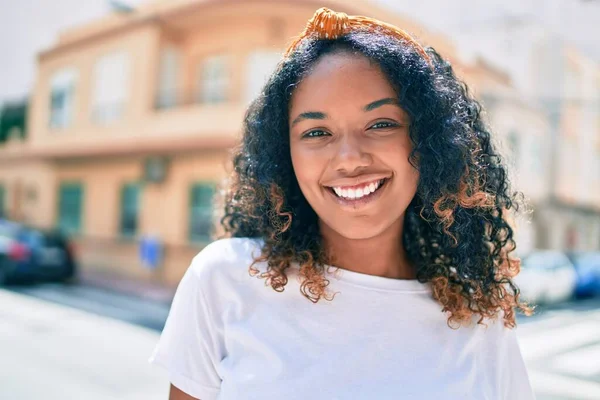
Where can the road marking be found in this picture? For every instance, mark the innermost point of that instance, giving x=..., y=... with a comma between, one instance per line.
x=558, y=340
x=584, y=362
x=26, y=311
x=567, y=387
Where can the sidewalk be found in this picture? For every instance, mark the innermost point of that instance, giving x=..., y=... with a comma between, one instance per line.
x=145, y=290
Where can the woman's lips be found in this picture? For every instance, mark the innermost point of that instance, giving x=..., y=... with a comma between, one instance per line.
x=360, y=202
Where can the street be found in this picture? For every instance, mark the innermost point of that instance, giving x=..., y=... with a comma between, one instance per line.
x=561, y=346
x=78, y=342
x=51, y=351
x=127, y=308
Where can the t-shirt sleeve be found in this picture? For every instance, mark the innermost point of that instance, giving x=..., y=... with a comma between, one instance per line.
x=516, y=383
x=190, y=346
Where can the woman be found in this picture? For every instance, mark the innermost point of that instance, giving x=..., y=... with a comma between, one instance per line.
x=366, y=183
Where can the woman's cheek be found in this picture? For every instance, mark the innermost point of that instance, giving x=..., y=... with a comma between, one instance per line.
x=308, y=172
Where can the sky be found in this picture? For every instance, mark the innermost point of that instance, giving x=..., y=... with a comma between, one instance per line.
x=575, y=21
x=29, y=26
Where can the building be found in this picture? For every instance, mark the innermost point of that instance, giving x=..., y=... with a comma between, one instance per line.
x=557, y=79
x=521, y=132
x=132, y=118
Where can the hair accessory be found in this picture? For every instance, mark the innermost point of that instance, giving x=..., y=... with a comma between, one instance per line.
x=328, y=24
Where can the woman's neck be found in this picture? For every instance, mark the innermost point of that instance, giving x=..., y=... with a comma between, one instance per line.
x=383, y=255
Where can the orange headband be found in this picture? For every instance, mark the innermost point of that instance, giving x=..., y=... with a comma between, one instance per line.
x=328, y=24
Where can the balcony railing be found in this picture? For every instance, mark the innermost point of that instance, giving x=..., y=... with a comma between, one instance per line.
x=178, y=98
x=105, y=113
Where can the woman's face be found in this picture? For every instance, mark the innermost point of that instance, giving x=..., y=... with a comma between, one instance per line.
x=349, y=143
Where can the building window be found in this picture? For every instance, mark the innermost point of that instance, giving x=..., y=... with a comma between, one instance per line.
x=537, y=156
x=2, y=202
x=514, y=148
x=201, y=212
x=571, y=158
x=13, y=121
x=111, y=87
x=261, y=64
x=213, y=80
x=62, y=98
x=130, y=209
x=70, y=207
x=170, y=61
x=572, y=82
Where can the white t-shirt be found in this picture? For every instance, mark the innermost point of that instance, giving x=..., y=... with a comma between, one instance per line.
x=230, y=337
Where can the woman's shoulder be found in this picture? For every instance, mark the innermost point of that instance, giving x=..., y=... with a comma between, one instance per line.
x=226, y=256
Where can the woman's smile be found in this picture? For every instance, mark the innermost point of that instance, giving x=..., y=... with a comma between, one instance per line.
x=358, y=196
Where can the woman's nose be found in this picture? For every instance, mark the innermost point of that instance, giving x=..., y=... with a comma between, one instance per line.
x=351, y=155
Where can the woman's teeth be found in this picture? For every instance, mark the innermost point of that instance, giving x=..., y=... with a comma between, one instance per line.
x=357, y=193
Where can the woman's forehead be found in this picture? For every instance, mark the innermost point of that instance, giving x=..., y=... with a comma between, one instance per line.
x=342, y=77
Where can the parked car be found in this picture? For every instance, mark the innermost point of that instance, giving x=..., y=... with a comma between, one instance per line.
x=30, y=254
x=10, y=249
x=546, y=277
x=587, y=266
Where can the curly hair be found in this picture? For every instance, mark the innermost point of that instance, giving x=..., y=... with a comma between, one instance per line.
x=456, y=228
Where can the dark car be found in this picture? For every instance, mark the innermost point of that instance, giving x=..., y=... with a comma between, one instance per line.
x=28, y=254
x=587, y=265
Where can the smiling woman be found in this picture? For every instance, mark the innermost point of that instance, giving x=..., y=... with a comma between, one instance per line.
x=366, y=182
x=358, y=137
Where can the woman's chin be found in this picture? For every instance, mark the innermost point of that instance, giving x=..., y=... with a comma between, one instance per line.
x=356, y=231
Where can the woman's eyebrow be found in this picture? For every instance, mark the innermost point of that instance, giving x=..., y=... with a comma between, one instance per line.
x=309, y=115
x=382, y=102
x=369, y=107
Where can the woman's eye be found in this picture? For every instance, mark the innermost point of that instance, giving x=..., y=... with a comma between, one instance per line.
x=383, y=124
x=316, y=133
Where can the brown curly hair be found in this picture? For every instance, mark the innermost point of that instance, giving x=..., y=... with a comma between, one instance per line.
x=457, y=232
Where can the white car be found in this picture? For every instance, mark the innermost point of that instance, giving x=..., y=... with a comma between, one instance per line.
x=546, y=277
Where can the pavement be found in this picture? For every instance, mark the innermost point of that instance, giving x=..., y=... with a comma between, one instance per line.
x=54, y=352
x=561, y=348
x=100, y=301
x=141, y=289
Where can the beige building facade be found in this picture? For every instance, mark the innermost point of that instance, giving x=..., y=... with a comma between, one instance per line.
x=133, y=116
